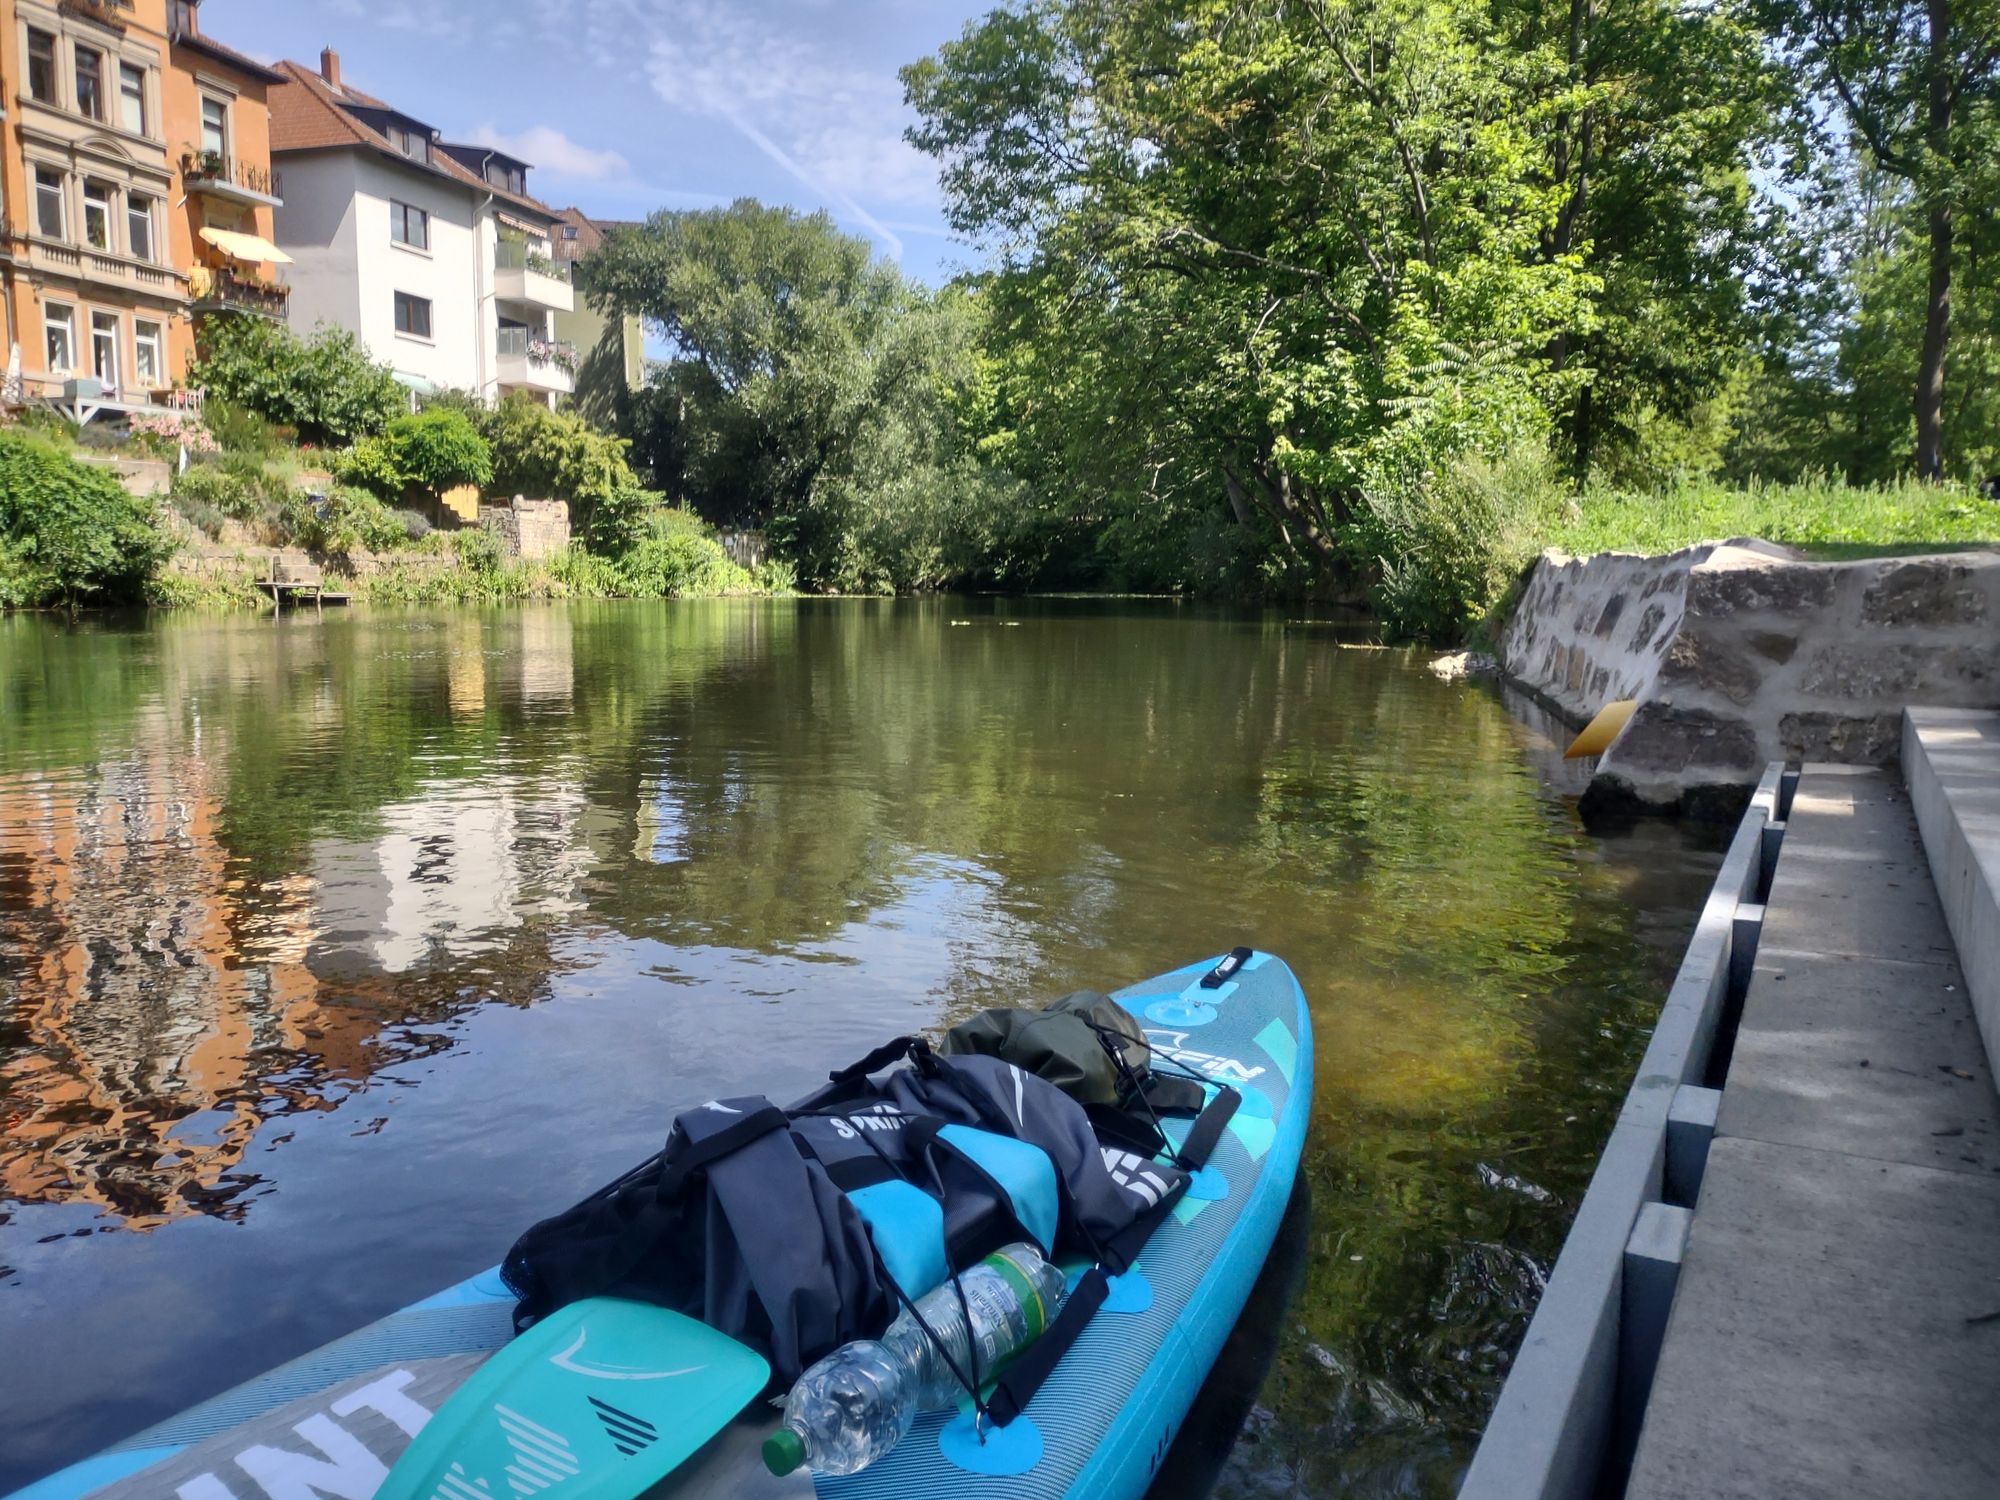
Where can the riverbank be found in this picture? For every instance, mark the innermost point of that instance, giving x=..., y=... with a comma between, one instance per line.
x=1741, y=654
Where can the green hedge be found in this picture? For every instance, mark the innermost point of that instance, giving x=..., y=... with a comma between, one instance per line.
x=70, y=534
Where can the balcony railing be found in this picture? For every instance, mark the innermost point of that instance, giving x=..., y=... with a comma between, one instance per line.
x=513, y=255
x=219, y=289
x=520, y=343
x=214, y=168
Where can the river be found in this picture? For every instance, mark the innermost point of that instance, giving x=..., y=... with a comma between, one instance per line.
x=335, y=951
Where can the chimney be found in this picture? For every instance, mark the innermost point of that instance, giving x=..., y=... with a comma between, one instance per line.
x=329, y=67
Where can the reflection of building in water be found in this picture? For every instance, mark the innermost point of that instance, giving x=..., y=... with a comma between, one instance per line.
x=160, y=1003
x=452, y=874
x=134, y=1025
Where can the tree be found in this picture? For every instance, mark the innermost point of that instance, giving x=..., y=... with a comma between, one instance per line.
x=1263, y=261
x=1646, y=115
x=811, y=390
x=325, y=387
x=1915, y=80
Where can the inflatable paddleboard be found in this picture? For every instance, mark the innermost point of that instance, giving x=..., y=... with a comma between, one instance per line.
x=334, y=1422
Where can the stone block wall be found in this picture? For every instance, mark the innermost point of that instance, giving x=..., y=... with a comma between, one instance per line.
x=1741, y=653
x=531, y=530
x=143, y=477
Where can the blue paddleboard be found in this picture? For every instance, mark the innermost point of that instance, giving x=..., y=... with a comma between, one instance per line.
x=336, y=1420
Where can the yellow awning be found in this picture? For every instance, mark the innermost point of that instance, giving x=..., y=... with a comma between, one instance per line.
x=242, y=246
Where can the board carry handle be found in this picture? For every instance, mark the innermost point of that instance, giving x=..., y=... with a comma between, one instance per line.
x=1223, y=972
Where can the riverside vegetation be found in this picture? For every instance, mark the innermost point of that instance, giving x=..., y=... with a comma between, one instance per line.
x=71, y=535
x=1366, y=301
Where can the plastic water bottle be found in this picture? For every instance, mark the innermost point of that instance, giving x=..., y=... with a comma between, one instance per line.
x=856, y=1404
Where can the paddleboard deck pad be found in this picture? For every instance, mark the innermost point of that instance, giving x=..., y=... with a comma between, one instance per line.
x=334, y=1422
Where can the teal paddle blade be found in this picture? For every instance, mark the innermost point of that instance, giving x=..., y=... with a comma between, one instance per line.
x=599, y=1401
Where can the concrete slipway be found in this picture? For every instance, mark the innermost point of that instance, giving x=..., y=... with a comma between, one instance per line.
x=1785, y=1277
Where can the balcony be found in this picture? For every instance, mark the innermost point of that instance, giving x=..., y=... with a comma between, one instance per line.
x=87, y=263
x=221, y=176
x=534, y=363
x=219, y=289
x=522, y=275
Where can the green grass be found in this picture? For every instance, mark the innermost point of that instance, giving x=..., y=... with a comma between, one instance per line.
x=1824, y=518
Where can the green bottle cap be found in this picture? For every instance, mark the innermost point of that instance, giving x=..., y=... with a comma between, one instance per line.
x=784, y=1451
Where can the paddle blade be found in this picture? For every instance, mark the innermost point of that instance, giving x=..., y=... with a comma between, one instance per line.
x=599, y=1401
x=1601, y=731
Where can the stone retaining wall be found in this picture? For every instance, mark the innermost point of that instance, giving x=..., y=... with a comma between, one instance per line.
x=1741, y=653
x=528, y=529
x=144, y=477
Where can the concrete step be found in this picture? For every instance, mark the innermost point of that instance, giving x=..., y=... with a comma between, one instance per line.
x=1951, y=757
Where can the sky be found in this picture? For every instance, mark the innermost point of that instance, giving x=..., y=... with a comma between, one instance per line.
x=628, y=106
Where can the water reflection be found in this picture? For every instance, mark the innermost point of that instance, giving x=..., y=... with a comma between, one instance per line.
x=334, y=951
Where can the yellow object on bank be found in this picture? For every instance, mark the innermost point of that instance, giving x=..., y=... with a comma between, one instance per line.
x=1601, y=731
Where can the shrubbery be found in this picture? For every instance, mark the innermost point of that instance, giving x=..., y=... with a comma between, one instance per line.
x=429, y=451
x=348, y=520
x=325, y=387
x=545, y=454
x=70, y=534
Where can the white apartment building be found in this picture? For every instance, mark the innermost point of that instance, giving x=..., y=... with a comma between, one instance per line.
x=432, y=253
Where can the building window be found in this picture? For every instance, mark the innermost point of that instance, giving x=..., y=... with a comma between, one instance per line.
x=49, y=217
x=411, y=143
x=409, y=225
x=104, y=348
x=139, y=225
x=148, y=353
x=214, y=127
x=132, y=98
x=413, y=315
x=41, y=66
x=182, y=12
x=90, y=82
x=59, y=329
x=96, y=215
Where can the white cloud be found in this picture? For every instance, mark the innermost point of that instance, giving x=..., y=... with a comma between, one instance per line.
x=796, y=89
x=549, y=150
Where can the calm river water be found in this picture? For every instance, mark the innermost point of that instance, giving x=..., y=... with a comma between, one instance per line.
x=334, y=952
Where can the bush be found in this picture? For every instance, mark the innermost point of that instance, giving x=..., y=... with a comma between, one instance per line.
x=347, y=521
x=587, y=576
x=70, y=534
x=371, y=465
x=439, y=450
x=238, y=430
x=416, y=525
x=199, y=514
x=619, y=522
x=667, y=567
x=214, y=487
x=547, y=455
x=1446, y=543
x=324, y=387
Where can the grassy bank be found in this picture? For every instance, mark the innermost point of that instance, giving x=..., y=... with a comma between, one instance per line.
x=1449, y=550
x=1821, y=516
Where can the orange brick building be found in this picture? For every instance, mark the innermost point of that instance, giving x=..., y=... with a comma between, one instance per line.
x=127, y=134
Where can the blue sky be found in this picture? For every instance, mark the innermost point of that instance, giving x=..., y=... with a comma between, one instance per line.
x=626, y=106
